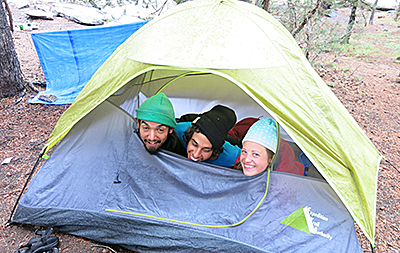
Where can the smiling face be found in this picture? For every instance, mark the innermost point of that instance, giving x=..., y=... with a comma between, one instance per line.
x=254, y=158
x=199, y=148
x=153, y=135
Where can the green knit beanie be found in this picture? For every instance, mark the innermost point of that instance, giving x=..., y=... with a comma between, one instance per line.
x=159, y=109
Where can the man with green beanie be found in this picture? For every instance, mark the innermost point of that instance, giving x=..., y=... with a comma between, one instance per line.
x=156, y=123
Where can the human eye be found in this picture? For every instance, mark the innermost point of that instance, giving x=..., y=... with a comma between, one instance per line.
x=145, y=127
x=161, y=130
x=256, y=154
x=207, y=150
x=244, y=152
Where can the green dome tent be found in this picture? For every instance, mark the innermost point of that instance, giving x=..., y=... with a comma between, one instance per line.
x=208, y=52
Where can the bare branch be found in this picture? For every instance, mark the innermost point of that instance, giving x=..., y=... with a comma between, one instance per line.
x=306, y=19
x=10, y=19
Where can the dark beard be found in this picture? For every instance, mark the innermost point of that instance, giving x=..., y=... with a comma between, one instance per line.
x=152, y=151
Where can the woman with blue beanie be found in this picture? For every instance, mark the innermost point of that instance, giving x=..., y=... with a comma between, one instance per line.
x=259, y=147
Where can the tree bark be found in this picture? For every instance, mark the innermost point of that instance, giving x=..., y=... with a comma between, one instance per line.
x=352, y=20
x=371, y=19
x=265, y=5
x=306, y=19
x=397, y=13
x=11, y=81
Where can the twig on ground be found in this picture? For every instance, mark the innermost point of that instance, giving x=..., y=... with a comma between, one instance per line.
x=30, y=85
x=389, y=162
x=354, y=71
x=103, y=246
x=161, y=8
x=20, y=98
x=345, y=76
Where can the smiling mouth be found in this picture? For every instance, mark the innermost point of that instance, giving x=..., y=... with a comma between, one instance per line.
x=152, y=143
x=194, y=159
x=249, y=167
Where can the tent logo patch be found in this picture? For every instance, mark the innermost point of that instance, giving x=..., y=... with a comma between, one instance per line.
x=305, y=220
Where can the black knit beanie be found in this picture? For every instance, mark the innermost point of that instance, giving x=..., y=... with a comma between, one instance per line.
x=215, y=124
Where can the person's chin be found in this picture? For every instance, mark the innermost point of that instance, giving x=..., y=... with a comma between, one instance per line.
x=152, y=149
x=249, y=170
x=247, y=173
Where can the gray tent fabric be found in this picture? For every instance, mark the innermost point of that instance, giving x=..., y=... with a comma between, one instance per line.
x=100, y=183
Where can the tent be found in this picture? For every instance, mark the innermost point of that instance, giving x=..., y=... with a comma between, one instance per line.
x=99, y=182
x=70, y=58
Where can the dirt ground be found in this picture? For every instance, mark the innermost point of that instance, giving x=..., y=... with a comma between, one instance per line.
x=367, y=85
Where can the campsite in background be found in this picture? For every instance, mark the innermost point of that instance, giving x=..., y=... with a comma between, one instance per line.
x=105, y=174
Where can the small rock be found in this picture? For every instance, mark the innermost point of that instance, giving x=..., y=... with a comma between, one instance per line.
x=47, y=97
x=79, y=13
x=333, y=14
x=20, y=3
x=40, y=14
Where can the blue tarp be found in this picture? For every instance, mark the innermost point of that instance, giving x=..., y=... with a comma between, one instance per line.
x=70, y=58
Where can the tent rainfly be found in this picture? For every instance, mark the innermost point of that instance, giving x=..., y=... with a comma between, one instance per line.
x=100, y=183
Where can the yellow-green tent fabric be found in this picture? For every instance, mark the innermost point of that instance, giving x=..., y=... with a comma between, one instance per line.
x=242, y=43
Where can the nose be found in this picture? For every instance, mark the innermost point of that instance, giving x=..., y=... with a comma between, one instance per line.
x=246, y=158
x=152, y=135
x=197, y=153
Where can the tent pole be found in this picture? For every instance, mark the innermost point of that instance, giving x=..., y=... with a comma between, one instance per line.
x=23, y=189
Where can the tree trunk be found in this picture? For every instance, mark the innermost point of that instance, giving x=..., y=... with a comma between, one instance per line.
x=265, y=5
x=397, y=13
x=11, y=81
x=371, y=19
x=352, y=20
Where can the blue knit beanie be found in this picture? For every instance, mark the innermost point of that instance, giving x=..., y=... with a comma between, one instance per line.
x=263, y=132
x=159, y=109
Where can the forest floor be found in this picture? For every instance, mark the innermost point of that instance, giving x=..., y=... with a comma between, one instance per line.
x=365, y=78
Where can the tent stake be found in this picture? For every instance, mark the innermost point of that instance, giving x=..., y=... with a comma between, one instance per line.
x=23, y=189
